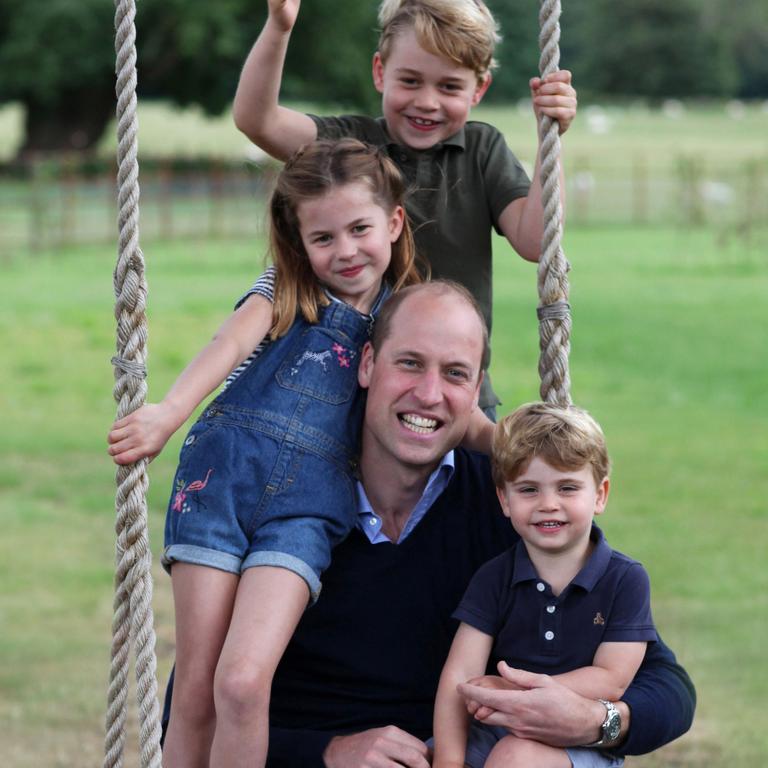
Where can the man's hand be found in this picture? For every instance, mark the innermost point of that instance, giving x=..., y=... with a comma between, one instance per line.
x=491, y=683
x=283, y=13
x=535, y=707
x=387, y=747
x=556, y=97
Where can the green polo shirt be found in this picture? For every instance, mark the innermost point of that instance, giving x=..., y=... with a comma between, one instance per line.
x=459, y=188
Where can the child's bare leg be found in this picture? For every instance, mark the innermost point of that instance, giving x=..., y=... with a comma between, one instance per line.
x=203, y=599
x=512, y=752
x=268, y=606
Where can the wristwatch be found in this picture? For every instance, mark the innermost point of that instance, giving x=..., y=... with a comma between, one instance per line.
x=611, y=727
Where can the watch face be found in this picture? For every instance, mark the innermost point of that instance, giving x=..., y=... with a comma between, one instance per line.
x=612, y=728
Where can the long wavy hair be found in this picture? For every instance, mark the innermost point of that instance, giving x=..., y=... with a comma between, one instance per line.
x=313, y=171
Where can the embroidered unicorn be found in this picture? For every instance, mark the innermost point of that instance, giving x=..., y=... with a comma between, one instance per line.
x=313, y=357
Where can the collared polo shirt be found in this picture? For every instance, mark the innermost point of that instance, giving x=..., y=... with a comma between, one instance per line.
x=370, y=523
x=458, y=190
x=607, y=601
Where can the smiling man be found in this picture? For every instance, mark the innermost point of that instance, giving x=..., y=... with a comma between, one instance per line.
x=423, y=379
x=356, y=686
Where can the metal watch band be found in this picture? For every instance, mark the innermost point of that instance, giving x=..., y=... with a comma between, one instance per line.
x=611, y=726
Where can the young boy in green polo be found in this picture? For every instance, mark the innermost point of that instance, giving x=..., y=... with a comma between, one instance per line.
x=433, y=64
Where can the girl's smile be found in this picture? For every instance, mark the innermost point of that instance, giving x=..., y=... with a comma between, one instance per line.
x=348, y=238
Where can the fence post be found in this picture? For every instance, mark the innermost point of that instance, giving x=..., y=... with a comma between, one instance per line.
x=165, y=198
x=690, y=172
x=68, y=190
x=639, y=190
x=215, y=193
x=36, y=207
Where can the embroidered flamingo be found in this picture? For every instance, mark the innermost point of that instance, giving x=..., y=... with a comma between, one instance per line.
x=181, y=494
x=198, y=485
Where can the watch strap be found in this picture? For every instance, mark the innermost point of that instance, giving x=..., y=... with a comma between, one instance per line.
x=610, y=728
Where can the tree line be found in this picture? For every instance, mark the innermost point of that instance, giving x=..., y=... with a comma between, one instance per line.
x=57, y=56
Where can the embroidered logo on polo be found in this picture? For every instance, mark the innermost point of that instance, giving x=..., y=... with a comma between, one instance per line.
x=344, y=358
x=598, y=619
x=180, y=503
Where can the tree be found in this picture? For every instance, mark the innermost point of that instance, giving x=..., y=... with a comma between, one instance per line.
x=44, y=64
x=518, y=52
x=57, y=59
x=744, y=32
x=649, y=48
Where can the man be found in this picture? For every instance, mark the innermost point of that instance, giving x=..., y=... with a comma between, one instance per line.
x=357, y=683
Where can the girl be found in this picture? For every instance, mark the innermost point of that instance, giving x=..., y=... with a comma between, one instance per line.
x=264, y=475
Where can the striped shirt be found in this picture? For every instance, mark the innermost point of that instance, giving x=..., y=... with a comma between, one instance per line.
x=264, y=286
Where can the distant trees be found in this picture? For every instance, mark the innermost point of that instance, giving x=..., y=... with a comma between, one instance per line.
x=57, y=56
x=51, y=62
x=648, y=48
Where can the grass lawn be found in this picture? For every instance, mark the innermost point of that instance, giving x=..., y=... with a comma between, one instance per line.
x=669, y=353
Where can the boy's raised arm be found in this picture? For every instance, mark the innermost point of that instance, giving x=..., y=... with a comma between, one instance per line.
x=256, y=110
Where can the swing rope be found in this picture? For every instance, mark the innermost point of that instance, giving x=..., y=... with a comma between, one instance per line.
x=553, y=311
x=132, y=624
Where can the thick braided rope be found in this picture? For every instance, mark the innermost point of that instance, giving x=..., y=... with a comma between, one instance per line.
x=554, y=311
x=132, y=623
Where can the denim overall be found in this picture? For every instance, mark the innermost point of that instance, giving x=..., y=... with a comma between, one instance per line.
x=264, y=475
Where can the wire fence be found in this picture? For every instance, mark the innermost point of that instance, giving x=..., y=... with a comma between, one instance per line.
x=62, y=202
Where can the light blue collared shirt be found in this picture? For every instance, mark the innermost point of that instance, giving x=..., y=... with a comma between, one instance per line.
x=370, y=523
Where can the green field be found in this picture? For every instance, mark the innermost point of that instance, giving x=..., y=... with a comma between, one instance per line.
x=669, y=353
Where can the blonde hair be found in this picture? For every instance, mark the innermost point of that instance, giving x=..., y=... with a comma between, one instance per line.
x=566, y=438
x=463, y=31
x=313, y=171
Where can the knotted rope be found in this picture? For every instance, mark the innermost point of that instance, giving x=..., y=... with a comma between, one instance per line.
x=132, y=623
x=554, y=310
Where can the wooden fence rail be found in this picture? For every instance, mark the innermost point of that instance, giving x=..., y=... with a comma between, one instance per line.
x=64, y=202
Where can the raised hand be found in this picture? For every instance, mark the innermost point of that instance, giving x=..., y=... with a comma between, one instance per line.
x=283, y=13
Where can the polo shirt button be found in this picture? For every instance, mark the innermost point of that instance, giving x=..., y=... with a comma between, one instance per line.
x=540, y=586
x=549, y=635
x=372, y=521
x=550, y=609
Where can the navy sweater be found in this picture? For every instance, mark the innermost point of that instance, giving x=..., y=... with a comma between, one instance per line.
x=370, y=651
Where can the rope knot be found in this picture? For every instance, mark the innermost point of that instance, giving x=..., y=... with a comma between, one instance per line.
x=130, y=367
x=558, y=310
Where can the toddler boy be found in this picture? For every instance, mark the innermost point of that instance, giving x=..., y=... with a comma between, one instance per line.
x=433, y=64
x=559, y=602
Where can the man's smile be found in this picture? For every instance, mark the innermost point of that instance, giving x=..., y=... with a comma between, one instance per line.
x=418, y=424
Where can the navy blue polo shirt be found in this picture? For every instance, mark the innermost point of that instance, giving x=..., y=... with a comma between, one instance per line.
x=607, y=601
